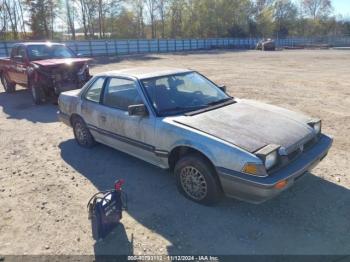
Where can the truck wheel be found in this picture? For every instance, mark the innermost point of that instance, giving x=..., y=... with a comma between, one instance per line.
x=38, y=94
x=197, y=180
x=8, y=86
x=82, y=133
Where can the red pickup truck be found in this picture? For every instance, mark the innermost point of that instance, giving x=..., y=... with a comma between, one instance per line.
x=47, y=69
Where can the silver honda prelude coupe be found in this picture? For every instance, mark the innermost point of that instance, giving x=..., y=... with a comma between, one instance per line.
x=179, y=119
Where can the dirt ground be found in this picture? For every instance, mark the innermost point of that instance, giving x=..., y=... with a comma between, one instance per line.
x=46, y=179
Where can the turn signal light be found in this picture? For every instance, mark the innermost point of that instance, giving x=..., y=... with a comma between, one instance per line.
x=281, y=184
x=250, y=169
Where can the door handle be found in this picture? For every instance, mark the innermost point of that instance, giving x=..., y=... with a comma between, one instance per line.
x=103, y=118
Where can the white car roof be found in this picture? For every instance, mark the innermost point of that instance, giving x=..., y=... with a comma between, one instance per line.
x=145, y=72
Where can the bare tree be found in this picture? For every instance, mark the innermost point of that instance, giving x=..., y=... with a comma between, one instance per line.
x=3, y=20
x=70, y=18
x=21, y=17
x=164, y=18
x=152, y=8
x=11, y=10
x=285, y=12
x=176, y=9
x=83, y=17
x=162, y=8
x=138, y=8
x=100, y=18
x=317, y=8
x=91, y=11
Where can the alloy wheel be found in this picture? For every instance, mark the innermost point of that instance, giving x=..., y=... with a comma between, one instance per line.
x=193, y=183
x=80, y=133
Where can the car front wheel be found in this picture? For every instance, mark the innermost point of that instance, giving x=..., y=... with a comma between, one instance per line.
x=38, y=94
x=197, y=180
x=82, y=133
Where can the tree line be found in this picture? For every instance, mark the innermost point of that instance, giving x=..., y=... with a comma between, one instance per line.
x=91, y=19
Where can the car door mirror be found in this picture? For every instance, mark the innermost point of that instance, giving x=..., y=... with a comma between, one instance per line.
x=223, y=88
x=137, y=110
x=18, y=58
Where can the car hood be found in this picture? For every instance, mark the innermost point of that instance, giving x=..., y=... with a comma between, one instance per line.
x=60, y=61
x=74, y=92
x=252, y=125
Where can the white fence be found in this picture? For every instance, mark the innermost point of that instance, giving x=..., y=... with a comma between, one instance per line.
x=110, y=47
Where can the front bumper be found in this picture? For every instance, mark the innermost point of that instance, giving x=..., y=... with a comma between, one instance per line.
x=63, y=80
x=63, y=86
x=259, y=189
x=64, y=118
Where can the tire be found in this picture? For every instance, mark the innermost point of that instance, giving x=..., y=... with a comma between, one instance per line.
x=82, y=133
x=38, y=94
x=55, y=100
x=196, y=179
x=8, y=86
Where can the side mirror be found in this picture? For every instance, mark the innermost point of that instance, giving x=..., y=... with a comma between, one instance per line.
x=18, y=58
x=223, y=88
x=137, y=110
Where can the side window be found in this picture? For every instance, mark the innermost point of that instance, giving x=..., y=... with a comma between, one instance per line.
x=22, y=52
x=94, y=92
x=121, y=93
x=14, y=51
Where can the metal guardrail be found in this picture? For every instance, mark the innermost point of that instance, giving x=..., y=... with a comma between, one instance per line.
x=110, y=47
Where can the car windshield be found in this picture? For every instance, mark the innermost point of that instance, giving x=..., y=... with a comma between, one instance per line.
x=181, y=93
x=40, y=52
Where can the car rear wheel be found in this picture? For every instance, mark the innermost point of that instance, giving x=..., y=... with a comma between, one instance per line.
x=197, y=180
x=38, y=94
x=8, y=86
x=82, y=133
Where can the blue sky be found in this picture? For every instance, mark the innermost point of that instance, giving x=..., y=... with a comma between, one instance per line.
x=342, y=7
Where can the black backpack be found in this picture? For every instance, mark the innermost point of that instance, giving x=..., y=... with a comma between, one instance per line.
x=105, y=210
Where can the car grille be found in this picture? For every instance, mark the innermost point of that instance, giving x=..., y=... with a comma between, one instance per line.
x=294, y=154
x=286, y=159
x=65, y=74
x=310, y=143
x=291, y=156
x=62, y=73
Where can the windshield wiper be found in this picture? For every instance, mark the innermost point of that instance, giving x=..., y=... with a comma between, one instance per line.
x=187, y=109
x=179, y=109
x=213, y=105
x=219, y=101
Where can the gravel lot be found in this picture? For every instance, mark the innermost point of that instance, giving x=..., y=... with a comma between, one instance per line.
x=46, y=179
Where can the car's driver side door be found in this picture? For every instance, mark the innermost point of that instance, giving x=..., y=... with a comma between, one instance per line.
x=132, y=134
